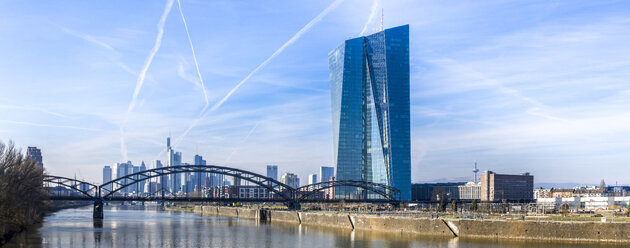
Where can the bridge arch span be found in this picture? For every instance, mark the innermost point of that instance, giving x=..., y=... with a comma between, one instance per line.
x=388, y=192
x=73, y=184
x=281, y=189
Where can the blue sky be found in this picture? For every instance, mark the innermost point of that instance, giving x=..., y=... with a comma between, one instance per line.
x=538, y=86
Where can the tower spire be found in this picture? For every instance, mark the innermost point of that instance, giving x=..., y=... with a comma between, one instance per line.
x=475, y=171
x=382, y=14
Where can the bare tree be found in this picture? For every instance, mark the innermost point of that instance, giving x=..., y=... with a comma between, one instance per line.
x=22, y=196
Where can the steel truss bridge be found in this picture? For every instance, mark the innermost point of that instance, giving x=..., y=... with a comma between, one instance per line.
x=279, y=192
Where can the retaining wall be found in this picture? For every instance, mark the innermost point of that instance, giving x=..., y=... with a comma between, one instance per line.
x=248, y=213
x=545, y=230
x=284, y=216
x=504, y=229
x=326, y=219
x=402, y=224
x=227, y=212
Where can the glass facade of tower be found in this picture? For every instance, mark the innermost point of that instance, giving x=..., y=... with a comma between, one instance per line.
x=369, y=84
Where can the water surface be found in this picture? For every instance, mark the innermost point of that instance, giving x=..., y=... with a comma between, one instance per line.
x=138, y=226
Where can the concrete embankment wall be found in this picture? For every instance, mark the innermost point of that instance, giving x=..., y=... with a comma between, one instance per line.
x=326, y=219
x=545, y=230
x=246, y=213
x=402, y=224
x=284, y=216
x=503, y=229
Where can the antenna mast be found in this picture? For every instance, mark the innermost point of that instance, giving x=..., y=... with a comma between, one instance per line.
x=475, y=171
x=382, y=14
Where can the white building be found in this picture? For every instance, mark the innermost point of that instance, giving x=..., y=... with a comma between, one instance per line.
x=469, y=191
x=542, y=193
x=583, y=203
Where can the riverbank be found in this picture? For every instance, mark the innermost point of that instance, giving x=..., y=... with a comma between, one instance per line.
x=9, y=230
x=448, y=227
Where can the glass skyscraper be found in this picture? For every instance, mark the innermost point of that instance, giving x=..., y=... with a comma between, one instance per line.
x=369, y=84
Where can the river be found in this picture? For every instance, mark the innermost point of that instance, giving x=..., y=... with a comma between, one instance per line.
x=139, y=226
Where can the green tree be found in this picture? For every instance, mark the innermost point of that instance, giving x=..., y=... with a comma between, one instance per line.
x=628, y=208
x=473, y=205
x=442, y=205
x=454, y=205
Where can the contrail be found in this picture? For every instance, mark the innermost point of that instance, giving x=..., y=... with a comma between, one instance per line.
x=102, y=44
x=48, y=125
x=192, y=48
x=90, y=39
x=369, y=20
x=295, y=37
x=147, y=63
x=143, y=73
x=6, y=106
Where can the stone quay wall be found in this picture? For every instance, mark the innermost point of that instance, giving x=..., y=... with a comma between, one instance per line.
x=473, y=228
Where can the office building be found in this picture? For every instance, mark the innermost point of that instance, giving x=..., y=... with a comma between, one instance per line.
x=435, y=191
x=497, y=187
x=236, y=181
x=35, y=154
x=200, y=180
x=369, y=84
x=272, y=172
x=312, y=178
x=107, y=176
x=136, y=186
x=326, y=173
x=240, y=192
x=174, y=159
x=122, y=170
x=162, y=181
x=290, y=179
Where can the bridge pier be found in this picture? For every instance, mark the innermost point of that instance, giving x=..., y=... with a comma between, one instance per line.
x=294, y=205
x=98, y=209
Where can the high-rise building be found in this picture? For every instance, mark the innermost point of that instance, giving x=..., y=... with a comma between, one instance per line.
x=236, y=181
x=326, y=173
x=162, y=181
x=290, y=179
x=496, y=187
x=174, y=159
x=122, y=170
x=136, y=186
x=139, y=187
x=107, y=176
x=201, y=179
x=199, y=160
x=369, y=84
x=272, y=171
x=35, y=154
x=312, y=178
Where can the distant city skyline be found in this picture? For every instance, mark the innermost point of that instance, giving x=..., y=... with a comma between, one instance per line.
x=533, y=86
